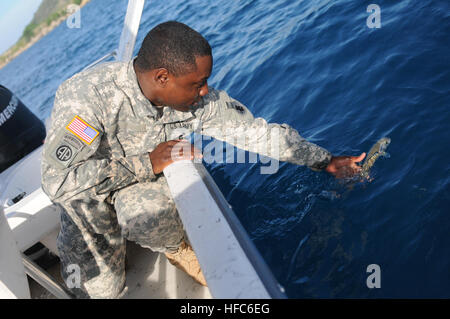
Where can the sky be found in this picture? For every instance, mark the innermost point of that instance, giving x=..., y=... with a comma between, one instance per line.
x=14, y=17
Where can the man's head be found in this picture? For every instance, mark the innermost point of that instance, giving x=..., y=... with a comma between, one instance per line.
x=173, y=65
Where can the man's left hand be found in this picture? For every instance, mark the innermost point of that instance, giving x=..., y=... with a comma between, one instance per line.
x=345, y=166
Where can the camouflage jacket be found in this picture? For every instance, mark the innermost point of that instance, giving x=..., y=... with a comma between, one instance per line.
x=103, y=127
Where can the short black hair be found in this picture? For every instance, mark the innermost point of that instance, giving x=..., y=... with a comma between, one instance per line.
x=174, y=46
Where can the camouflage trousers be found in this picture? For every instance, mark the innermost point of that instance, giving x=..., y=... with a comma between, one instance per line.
x=146, y=214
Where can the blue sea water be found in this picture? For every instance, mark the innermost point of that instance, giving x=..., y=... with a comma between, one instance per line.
x=317, y=66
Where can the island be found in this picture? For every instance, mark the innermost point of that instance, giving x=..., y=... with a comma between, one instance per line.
x=47, y=17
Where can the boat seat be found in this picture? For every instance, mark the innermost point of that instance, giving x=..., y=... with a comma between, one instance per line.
x=34, y=219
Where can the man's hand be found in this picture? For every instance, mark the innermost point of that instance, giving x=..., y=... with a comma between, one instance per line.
x=168, y=152
x=345, y=166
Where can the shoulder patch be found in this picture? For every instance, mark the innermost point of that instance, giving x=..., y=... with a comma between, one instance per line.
x=64, y=153
x=82, y=130
x=236, y=106
x=63, y=150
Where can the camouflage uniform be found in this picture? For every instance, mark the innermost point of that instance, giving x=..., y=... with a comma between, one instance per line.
x=103, y=176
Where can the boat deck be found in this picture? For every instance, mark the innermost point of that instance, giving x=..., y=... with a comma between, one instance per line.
x=149, y=276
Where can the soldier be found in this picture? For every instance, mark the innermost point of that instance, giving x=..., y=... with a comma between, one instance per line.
x=111, y=138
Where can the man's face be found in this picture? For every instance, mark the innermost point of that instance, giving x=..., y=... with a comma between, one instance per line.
x=177, y=92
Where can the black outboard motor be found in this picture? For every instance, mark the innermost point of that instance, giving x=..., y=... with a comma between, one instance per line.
x=21, y=131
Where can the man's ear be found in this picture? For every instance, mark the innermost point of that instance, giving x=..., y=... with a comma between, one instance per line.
x=162, y=77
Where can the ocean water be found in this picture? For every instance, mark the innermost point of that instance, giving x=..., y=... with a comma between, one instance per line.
x=317, y=66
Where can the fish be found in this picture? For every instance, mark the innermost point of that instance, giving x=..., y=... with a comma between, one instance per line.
x=377, y=150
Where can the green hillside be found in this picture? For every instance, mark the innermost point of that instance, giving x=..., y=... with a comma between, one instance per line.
x=48, y=12
x=49, y=9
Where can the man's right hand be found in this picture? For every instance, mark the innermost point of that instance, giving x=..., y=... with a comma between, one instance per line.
x=168, y=152
x=345, y=166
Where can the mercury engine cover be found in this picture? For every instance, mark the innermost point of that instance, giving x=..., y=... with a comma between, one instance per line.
x=21, y=131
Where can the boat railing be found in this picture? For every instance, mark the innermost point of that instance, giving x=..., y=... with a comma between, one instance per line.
x=130, y=30
x=112, y=54
x=231, y=264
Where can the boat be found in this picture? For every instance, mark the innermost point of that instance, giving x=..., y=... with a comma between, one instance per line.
x=231, y=264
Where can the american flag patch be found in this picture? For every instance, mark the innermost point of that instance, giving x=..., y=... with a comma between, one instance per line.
x=82, y=130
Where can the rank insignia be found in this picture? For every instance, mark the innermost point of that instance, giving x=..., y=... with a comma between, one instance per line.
x=235, y=106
